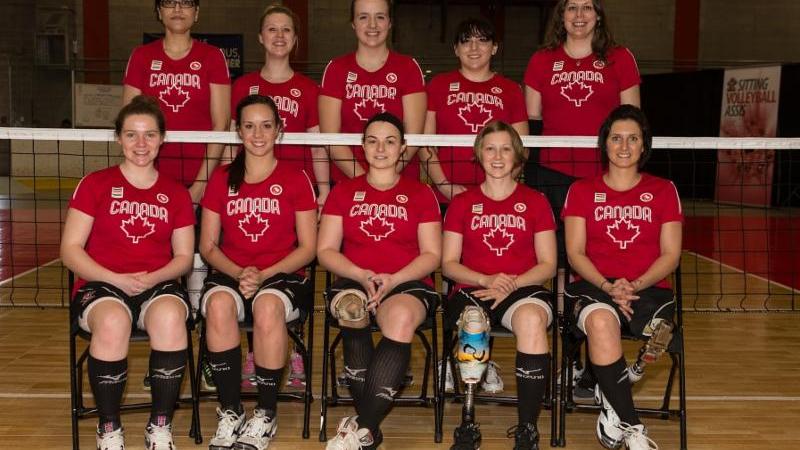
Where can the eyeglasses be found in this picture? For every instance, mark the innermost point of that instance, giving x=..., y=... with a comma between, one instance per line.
x=173, y=3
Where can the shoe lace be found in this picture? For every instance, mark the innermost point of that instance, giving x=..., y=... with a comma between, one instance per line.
x=637, y=435
x=525, y=436
x=112, y=440
x=227, y=423
x=258, y=425
x=346, y=439
x=160, y=437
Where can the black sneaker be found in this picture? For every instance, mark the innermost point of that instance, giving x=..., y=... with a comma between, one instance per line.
x=466, y=437
x=526, y=437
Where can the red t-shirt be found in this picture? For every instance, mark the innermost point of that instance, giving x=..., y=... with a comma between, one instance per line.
x=464, y=107
x=577, y=96
x=183, y=89
x=132, y=229
x=296, y=100
x=258, y=221
x=380, y=227
x=364, y=94
x=623, y=229
x=498, y=236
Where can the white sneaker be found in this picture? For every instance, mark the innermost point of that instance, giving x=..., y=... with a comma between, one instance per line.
x=609, y=428
x=257, y=432
x=449, y=384
x=158, y=437
x=636, y=437
x=492, y=384
x=349, y=436
x=111, y=440
x=228, y=427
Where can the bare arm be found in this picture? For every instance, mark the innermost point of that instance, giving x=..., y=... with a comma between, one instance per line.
x=667, y=261
x=544, y=242
x=576, y=253
x=533, y=103
x=209, y=245
x=322, y=171
x=429, y=159
x=452, y=246
x=414, y=106
x=329, y=244
x=306, y=229
x=630, y=96
x=523, y=130
x=220, y=121
x=77, y=227
x=182, y=257
x=128, y=92
x=330, y=121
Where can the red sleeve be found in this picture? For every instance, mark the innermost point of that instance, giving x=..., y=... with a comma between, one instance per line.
x=333, y=80
x=238, y=92
x=184, y=210
x=84, y=198
x=534, y=69
x=218, y=72
x=429, y=206
x=415, y=81
x=134, y=75
x=454, y=219
x=312, y=118
x=433, y=97
x=575, y=204
x=671, y=210
x=334, y=205
x=303, y=191
x=626, y=69
x=516, y=100
x=217, y=187
x=544, y=220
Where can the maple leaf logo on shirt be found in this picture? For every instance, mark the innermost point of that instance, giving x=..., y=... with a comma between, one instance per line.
x=365, y=109
x=577, y=92
x=498, y=240
x=475, y=116
x=253, y=226
x=174, y=97
x=377, y=227
x=622, y=232
x=137, y=228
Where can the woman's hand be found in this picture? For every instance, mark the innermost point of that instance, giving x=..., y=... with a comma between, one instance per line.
x=383, y=284
x=623, y=293
x=131, y=283
x=496, y=296
x=250, y=279
x=499, y=281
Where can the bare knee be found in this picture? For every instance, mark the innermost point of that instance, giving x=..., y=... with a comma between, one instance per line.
x=399, y=319
x=110, y=325
x=165, y=322
x=220, y=308
x=269, y=313
x=601, y=324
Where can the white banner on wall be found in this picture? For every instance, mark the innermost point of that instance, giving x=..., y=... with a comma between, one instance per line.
x=749, y=109
x=96, y=105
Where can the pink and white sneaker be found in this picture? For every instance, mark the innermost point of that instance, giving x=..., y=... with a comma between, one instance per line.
x=249, y=372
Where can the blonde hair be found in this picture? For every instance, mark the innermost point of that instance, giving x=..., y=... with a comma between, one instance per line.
x=498, y=126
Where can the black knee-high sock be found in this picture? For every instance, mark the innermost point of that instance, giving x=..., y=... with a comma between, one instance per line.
x=268, y=382
x=386, y=372
x=226, y=369
x=613, y=381
x=107, y=379
x=533, y=373
x=357, y=357
x=166, y=375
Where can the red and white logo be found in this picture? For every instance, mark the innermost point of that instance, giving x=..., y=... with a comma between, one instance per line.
x=137, y=228
x=253, y=226
x=195, y=65
x=162, y=198
x=498, y=240
x=174, y=97
x=402, y=199
x=391, y=77
x=646, y=197
x=117, y=192
x=351, y=77
x=276, y=189
x=622, y=232
x=599, y=197
x=294, y=92
x=454, y=87
x=377, y=227
x=368, y=108
x=577, y=92
x=155, y=64
x=477, y=208
x=497, y=90
x=232, y=192
x=520, y=207
x=253, y=90
x=359, y=196
x=475, y=116
x=598, y=65
x=558, y=66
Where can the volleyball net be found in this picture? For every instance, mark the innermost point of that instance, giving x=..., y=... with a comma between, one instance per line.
x=740, y=197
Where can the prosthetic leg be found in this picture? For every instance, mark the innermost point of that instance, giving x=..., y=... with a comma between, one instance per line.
x=349, y=307
x=472, y=355
x=651, y=350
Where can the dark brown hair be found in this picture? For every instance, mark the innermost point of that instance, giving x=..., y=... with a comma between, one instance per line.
x=626, y=112
x=237, y=168
x=141, y=104
x=602, y=40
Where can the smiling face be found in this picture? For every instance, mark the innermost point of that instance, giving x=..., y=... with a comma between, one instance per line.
x=475, y=53
x=140, y=139
x=580, y=18
x=258, y=129
x=625, y=144
x=178, y=18
x=278, y=35
x=371, y=22
x=497, y=155
x=383, y=145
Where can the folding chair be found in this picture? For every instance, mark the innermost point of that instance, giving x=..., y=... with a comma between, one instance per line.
x=305, y=349
x=81, y=411
x=334, y=398
x=571, y=348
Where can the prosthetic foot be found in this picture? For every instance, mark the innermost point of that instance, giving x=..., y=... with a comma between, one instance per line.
x=472, y=356
x=349, y=307
x=651, y=350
